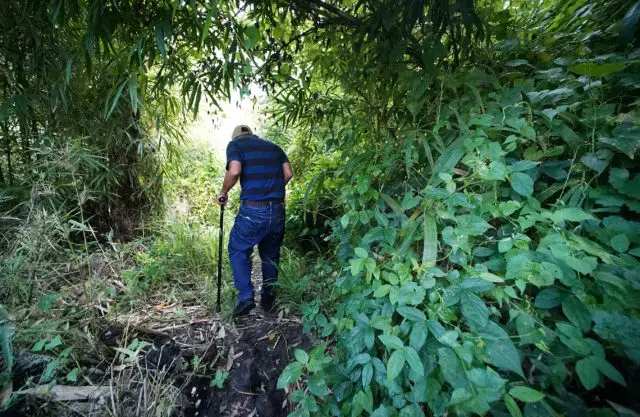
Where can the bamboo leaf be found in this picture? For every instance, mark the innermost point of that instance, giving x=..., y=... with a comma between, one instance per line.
x=116, y=98
x=133, y=92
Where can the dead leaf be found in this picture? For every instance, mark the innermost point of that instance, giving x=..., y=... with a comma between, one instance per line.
x=230, y=358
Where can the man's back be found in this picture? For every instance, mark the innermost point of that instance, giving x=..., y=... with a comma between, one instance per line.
x=262, y=177
x=263, y=170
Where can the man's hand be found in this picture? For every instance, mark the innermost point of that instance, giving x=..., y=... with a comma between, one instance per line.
x=222, y=199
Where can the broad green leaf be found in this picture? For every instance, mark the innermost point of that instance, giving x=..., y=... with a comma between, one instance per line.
x=72, y=376
x=55, y=342
x=357, y=265
x=500, y=350
x=619, y=329
x=344, y=221
x=597, y=161
x=362, y=358
x=361, y=253
x=571, y=337
x=571, y=214
x=521, y=183
x=570, y=137
x=367, y=374
x=469, y=224
x=592, y=69
x=620, y=243
x=301, y=356
x=449, y=338
x=370, y=265
x=412, y=313
x=474, y=309
x=418, y=335
x=477, y=285
x=620, y=179
x=451, y=368
x=505, y=244
x=411, y=410
x=391, y=342
x=49, y=371
x=317, y=385
x=66, y=352
x=252, y=34
x=512, y=406
x=39, y=345
x=526, y=394
x=396, y=363
x=587, y=371
x=608, y=370
x=410, y=201
x=414, y=361
x=577, y=313
x=625, y=138
x=523, y=165
x=430, y=250
x=380, y=412
x=290, y=374
x=382, y=291
x=488, y=276
x=459, y=395
x=46, y=302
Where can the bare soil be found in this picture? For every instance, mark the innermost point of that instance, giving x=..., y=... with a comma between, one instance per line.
x=177, y=366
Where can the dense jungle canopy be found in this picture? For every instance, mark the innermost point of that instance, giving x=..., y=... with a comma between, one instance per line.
x=463, y=231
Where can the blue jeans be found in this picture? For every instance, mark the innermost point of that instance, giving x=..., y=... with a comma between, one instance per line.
x=262, y=226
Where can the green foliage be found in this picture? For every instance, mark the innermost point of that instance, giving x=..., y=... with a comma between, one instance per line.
x=485, y=240
x=6, y=349
x=220, y=379
x=301, y=285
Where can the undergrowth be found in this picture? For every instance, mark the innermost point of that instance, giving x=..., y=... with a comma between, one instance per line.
x=487, y=240
x=62, y=284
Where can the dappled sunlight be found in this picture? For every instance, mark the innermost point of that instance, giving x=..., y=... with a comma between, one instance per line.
x=214, y=125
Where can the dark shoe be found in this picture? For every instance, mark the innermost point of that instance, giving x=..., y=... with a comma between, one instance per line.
x=268, y=301
x=243, y=308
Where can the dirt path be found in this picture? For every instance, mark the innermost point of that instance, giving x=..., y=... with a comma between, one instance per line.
x=259, y=346
x=184, y=347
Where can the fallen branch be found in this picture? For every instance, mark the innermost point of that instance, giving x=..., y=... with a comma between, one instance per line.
x=68, y=392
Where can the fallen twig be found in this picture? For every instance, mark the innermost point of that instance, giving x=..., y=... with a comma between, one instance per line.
x=68, y=392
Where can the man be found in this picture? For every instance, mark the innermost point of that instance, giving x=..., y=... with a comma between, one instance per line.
x=264, y=171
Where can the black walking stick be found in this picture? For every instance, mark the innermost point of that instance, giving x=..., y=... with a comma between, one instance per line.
x=221, y=199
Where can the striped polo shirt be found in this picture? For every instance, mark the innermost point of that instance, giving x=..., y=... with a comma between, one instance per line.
x=262, y=177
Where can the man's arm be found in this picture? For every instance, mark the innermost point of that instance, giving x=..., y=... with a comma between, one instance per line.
x=287, y=171
x=230, y=179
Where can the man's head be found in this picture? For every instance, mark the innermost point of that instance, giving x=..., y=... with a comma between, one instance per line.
x=241, y=130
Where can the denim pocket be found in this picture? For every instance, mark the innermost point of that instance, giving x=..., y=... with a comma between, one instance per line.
x=248, y=225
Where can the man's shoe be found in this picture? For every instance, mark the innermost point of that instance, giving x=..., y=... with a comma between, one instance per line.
x=268, y=301
x=243, y=308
